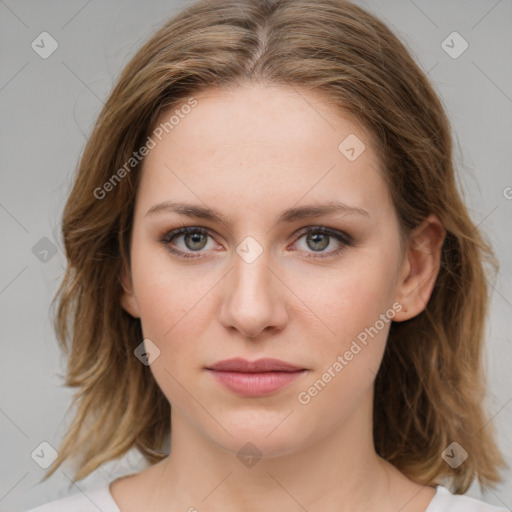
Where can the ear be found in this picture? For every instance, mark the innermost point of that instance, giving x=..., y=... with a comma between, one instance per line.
x=128, y=300
x=420, y=268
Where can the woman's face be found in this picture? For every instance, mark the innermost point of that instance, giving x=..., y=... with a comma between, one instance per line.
x=254, y=284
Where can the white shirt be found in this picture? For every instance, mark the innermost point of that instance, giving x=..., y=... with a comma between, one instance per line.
x=99, y=498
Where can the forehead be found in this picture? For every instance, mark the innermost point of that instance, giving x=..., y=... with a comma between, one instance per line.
x=262, y=146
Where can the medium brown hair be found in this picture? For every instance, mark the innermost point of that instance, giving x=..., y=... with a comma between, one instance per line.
x=430, y=387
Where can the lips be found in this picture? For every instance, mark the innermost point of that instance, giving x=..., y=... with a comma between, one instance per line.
x=254, y=378
x=261, y=365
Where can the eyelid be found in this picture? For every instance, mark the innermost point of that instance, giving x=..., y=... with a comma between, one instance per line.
x=335, y=233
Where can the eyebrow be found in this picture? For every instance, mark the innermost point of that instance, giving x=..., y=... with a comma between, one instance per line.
x=287, y=216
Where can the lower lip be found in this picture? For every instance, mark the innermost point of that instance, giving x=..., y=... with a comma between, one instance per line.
x=255, y=384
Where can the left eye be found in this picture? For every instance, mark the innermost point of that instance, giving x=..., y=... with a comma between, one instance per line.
x=195, y=239
x=319, y=238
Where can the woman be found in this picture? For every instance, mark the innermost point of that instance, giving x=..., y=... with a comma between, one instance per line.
x=269, y=258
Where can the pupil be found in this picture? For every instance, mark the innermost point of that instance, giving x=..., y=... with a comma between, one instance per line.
x=318, y=238
x=195, y=237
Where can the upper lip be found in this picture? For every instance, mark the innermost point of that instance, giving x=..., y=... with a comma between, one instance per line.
x=266, y=364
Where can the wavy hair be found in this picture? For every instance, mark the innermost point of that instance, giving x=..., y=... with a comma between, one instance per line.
x=430, y=388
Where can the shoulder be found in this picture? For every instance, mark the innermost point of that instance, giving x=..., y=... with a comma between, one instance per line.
x=91, y=500
x=445, y=501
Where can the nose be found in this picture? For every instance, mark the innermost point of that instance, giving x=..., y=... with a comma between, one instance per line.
x=253, y=299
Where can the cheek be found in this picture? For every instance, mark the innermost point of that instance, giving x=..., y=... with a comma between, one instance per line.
x=171, y=312
x=357, y=307
x=334, y=395
x=165, y=293
x=354, y=306
x=340, y=303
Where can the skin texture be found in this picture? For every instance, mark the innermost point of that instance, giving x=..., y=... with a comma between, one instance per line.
x=251, y=153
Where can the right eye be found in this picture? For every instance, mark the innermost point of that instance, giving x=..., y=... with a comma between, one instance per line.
x=194, y=239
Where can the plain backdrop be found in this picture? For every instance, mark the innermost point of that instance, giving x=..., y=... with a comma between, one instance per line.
x=47, y=109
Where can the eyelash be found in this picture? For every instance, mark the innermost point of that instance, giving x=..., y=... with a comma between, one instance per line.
x=344, y=239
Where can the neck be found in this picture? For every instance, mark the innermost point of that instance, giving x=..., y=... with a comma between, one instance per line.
x=339, y=472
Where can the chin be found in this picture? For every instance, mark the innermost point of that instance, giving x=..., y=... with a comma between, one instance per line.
x=267, y=434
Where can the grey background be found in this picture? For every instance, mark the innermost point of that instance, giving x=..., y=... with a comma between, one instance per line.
x=47, y=108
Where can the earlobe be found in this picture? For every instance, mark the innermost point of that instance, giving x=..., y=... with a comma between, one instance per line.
x=128, y=300
x=422, y=267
